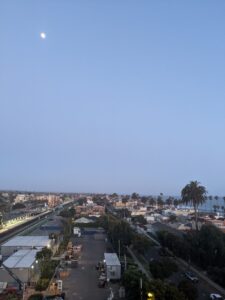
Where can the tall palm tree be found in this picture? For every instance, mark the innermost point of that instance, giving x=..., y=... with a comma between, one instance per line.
x=194, y=194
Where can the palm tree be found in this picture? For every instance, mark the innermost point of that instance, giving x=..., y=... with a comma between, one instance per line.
x=194, y=193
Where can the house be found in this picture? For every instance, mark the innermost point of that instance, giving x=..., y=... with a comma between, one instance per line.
x=112, y=266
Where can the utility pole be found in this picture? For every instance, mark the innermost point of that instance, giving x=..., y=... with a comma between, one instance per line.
x=141, y=288
x=119, y=248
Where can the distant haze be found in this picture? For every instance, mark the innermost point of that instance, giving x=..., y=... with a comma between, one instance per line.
x=120, y=97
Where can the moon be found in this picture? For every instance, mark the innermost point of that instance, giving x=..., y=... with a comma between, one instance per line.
x=43, y=35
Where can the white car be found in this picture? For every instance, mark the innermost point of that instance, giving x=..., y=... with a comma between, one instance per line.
x=216, y=297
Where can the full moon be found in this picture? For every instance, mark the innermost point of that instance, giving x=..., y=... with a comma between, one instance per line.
x=43, y=35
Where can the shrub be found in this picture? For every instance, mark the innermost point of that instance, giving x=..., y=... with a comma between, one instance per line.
x=163, y=268
x=36, y=297
x=42, y=284
x=188, y=289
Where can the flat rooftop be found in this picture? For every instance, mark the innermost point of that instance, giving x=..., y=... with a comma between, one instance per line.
x=111, y=259
x=21, y=259
x=27, y=241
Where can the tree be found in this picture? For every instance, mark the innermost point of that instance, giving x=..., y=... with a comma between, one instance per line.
x=44, y=254
x=18, y=206
x=139, y=219
x=141, y=243
x=188, y=289
x=125, y=199
x=194, y=193
x=134, y=196
x=152, y=201
x=163, y=268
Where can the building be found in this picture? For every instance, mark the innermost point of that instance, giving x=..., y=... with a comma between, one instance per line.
x=112, y=266
x=76, y=231
x=25, y=243
x=90, y=210
x=20, y=198
x=23, y=264
x=53, y=200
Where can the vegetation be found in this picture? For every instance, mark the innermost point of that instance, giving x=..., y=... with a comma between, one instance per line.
x=163, y=268
x=18, y=206
x=141, y=243
x=139, y=220
x=194, y=193
x=44, y=254
x=36, y=297
x=188, y=289
x=67, y=213
x=205, y=248
x=162, y=291
x=47, y=271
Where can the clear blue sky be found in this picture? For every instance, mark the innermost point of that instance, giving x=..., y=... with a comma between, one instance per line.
x=122, y=96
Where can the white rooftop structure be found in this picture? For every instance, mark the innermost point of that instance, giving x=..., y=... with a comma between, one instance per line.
x=21, y=259
x=111, y=259
x=28, y=241
x=83, y=220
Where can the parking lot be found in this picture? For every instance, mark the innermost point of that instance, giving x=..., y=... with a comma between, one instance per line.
x=82, y=283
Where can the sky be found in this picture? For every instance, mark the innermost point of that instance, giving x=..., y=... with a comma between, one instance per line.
x=122, y=96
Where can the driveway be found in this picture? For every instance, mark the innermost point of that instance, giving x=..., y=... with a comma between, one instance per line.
x=82, y=283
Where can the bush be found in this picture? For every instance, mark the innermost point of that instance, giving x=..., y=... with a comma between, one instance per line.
x=48, y=269
x=188, y=289
x=163, y=268
x=36, y=297
x=42, y=284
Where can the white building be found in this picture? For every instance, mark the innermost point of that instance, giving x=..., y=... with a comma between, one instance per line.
x=76, y=231
x=25, y=242
x=112, y=266
x=20, y=198
x=23, y=264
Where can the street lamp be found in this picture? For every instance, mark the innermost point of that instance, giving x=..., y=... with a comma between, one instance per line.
x=151, y=296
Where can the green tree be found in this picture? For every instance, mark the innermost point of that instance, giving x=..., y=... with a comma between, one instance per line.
x=194, y=193
x=139, y=219
x=188, y=289
x=44, y=254
x=163, y=268
x=141, y=243
x=134, y=196
x=18, y=206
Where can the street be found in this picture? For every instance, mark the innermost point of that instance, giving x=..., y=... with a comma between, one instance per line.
x=82, y=283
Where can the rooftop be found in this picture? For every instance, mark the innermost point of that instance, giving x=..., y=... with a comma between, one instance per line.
x=111, y=259
x=21, y=259
x=27, y=241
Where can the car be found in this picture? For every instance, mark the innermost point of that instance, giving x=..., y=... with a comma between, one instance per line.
x=216, y=297
x=191, y=277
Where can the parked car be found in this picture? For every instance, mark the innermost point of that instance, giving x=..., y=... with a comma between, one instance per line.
x=216, y=297
x=191, y=277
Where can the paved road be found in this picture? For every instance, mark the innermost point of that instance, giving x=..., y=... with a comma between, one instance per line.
x=82, y=283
